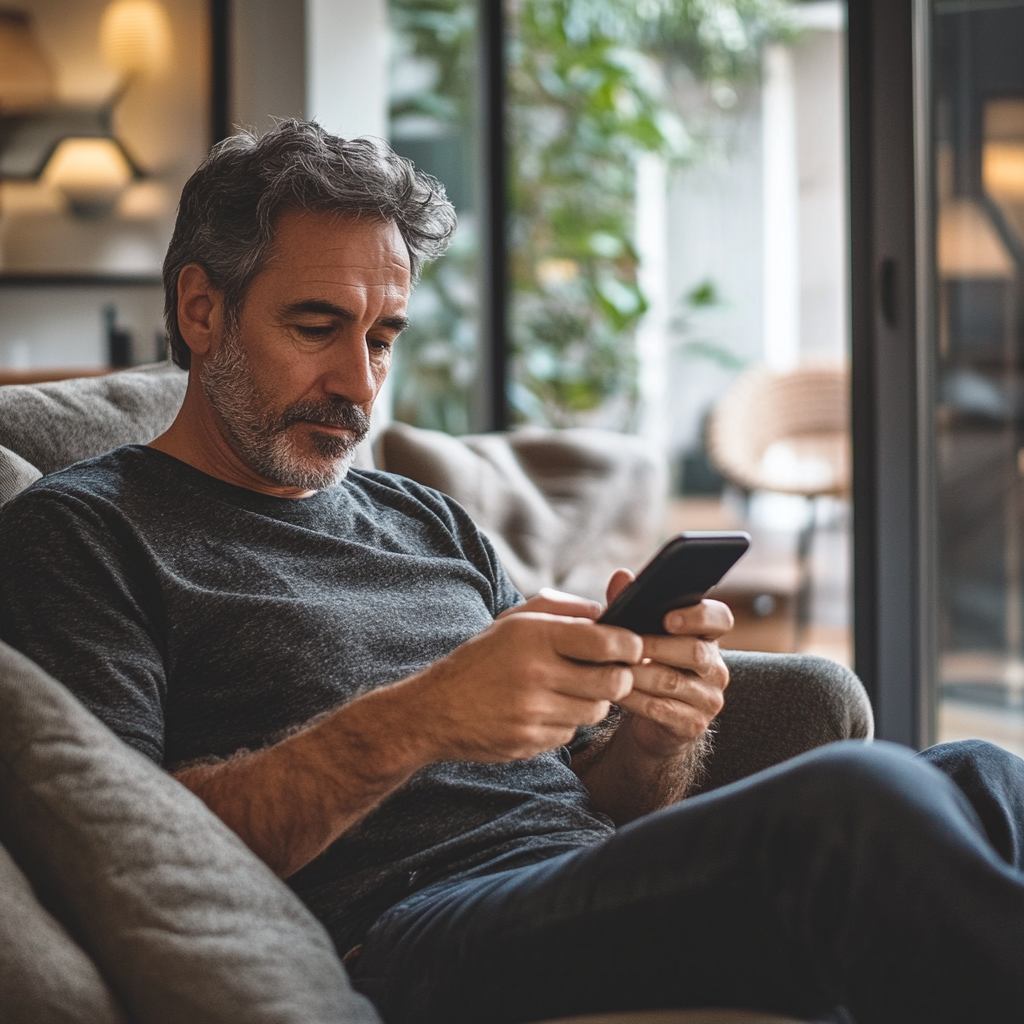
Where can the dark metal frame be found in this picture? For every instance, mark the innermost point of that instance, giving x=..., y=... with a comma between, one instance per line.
x=220, y=70
x=893, y=487
x=493, y=412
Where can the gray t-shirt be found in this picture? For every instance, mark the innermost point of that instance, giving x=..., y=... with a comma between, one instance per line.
x=196, y=619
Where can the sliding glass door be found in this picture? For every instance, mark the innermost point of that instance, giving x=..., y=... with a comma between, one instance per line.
x=937, y=253
x=976, y=345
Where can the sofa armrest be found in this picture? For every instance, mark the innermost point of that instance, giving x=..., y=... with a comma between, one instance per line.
x=780, y=705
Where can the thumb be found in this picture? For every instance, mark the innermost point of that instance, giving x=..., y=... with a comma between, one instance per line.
x=620, y=579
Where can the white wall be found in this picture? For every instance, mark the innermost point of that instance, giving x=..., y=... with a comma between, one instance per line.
x=715, y=233
x=780, y=181
x=42, y=327
x=819, y=73
x=347, y=69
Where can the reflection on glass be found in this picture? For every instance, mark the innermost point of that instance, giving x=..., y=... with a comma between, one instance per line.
x=979, y=193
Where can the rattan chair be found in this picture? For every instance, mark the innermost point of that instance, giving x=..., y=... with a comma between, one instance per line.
x=788, y=433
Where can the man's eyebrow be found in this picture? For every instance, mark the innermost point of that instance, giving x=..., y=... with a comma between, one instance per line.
x=322, y=306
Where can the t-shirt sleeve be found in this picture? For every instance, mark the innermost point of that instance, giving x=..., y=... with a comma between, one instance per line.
x=478, y=548
x=505, y=593
x=68, y=603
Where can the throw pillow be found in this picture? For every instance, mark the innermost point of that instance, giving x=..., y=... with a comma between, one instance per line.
x=15, y=474
x=184, y=922
x=45, y=978
x=53, y=425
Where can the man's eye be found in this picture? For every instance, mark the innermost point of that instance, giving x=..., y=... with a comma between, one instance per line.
x=380, y=344
x=314, y=331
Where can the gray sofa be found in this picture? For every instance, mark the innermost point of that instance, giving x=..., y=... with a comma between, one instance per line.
x=123, y=899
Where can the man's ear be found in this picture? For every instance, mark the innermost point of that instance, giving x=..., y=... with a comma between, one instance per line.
x=200, y=310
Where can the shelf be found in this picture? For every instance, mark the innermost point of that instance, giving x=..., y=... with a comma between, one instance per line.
x=17, y=280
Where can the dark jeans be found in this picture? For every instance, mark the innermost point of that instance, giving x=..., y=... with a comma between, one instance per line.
x=857, y=875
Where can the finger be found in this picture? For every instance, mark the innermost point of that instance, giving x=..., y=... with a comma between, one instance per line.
x=709, y=619
x=571, y=712
x=680, y=720
x=587, y=641
x=620, y=579
x=555, y=602
x=688, y=653
x=583, y=681
x=706, y=695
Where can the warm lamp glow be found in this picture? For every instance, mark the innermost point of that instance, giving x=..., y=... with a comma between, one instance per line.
x=92, y=173
x=144, y=200
x=135, y=37
x=968, y=244
x=1003, y=169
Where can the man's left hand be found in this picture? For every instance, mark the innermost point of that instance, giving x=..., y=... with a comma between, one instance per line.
x=679, y=688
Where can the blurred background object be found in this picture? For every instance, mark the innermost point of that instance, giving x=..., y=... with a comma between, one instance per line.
x=26, y=74
x=977, y=160
x=786, y=433
x=103, y=116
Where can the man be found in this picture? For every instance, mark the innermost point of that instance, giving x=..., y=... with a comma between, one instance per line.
x=336, y=663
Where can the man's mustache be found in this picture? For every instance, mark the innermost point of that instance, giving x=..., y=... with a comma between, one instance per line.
x=334, y=413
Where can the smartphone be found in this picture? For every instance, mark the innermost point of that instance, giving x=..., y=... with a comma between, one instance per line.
x=679, y=575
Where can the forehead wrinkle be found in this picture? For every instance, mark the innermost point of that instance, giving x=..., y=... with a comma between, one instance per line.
x=319, y=306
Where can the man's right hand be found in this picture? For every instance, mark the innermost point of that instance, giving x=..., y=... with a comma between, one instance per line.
x=523, y=685
x=519, y=688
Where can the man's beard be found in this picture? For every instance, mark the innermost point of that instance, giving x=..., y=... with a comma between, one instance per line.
x=261, y=437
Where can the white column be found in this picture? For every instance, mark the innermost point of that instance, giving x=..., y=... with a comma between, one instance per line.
x=347, y=66
x=651, y=334
x=781, y=303
x=347, y=89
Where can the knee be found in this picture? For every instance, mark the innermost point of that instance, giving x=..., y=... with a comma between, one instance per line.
x=880, y=781
x=801, y=695
x=875, y=810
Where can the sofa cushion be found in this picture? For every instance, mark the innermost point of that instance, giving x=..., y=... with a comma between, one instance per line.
x=563, y=508
x=184, y=922
x=55, y=424
x=16, y=474
x=45, y=977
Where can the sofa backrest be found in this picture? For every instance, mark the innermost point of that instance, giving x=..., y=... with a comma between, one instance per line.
x=563, y=508
x=53, y=425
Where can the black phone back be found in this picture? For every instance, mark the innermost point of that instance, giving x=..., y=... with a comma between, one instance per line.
x=680, y=574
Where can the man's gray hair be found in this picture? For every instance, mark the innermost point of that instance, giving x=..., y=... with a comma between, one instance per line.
x=231, y=205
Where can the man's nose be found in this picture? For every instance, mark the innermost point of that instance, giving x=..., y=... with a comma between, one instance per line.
x=351, y=375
